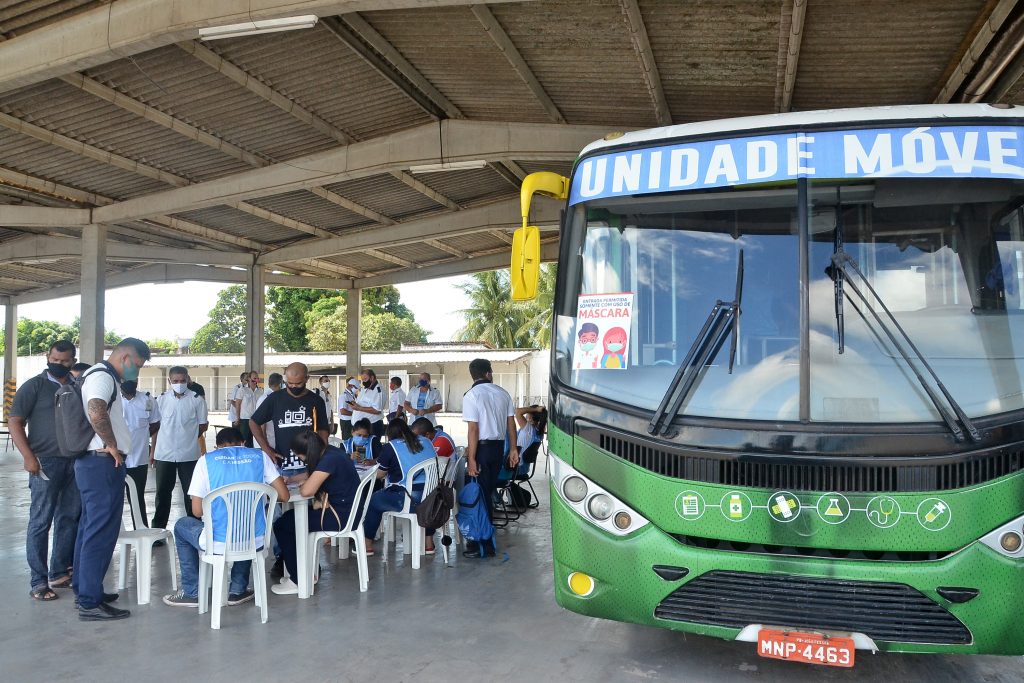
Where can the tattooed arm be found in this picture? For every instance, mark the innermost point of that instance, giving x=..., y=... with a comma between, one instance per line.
x=100, y=419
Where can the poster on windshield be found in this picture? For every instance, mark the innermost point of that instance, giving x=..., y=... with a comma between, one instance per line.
x=603, y=324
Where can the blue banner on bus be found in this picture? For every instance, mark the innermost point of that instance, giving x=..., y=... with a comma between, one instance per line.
x=930, y=152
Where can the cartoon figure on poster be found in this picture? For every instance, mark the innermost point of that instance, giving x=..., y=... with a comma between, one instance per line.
x=602, y=331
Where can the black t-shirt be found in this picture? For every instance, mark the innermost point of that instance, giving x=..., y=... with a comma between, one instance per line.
x=196, y=387
x=289, y=416
x=342, y=480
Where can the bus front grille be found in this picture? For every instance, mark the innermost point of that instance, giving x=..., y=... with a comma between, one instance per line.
x=883, y=611
x=809, y=473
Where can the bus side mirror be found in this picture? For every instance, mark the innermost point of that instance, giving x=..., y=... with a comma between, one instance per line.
x=525, y=271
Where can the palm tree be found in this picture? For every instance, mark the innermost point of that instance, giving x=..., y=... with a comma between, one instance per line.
x=492, y=316
x=540, y=311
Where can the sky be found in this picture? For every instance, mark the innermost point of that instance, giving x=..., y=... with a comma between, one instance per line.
x=173, y=311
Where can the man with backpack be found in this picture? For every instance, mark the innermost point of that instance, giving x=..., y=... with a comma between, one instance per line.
x=489, y=413
x=55, y=499
x=100, y=473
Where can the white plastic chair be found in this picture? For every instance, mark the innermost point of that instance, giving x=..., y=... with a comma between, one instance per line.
x=245, y=502
x=142, y=539
x=454, y=475
x=353, y=530
x=414, y=541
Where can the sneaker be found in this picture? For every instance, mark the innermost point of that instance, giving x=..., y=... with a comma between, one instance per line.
x=239, y=598
x=179, y=599
x=286, y=587
x=103, y=612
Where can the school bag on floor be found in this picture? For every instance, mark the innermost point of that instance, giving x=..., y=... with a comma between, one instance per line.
x=474, y=525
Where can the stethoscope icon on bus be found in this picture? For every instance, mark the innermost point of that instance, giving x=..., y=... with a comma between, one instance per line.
x=883, y=511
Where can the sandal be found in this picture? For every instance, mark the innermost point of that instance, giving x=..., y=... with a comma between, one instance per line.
x=429, y=551
x=43, y=594
x=62, y=582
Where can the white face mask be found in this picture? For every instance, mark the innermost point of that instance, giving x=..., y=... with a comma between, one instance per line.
x=325, y=385
x=178, y=388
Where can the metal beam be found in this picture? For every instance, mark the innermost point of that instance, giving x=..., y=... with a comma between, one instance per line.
x=504, y=214
x=47, y=248
x=989, y=30
x=384, y=256
x=375, y=50
x=642, y=46
x=501, y=236
x=274, y=217
x=425, y=190
x=461, y=141
x=154, y=115
x=261, y=89
x=127, y=27
x=352, y=206
x=447, y=248
x=548, y=252
x=511, y=52
x=49, y=187
x=784, y=98
x=89, y=151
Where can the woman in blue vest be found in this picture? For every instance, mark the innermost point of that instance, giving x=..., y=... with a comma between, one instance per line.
x=333, y=480
x=403, y=451
x=362, y=445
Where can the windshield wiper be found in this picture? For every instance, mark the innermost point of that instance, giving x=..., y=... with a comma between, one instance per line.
x=723, y=318
x=843, y=264
x=837, y=280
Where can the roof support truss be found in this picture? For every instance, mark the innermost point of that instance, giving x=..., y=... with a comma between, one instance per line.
x=792, y=40
x=642, y=47
x=962, y=71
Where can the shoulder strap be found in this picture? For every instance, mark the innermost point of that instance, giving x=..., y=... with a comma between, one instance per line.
x=113, y=395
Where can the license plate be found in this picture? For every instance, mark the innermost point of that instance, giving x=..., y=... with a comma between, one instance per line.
x=805, y=647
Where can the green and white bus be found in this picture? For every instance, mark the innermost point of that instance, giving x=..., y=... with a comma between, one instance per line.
x=787, y=404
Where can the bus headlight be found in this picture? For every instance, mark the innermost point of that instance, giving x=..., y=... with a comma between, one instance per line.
x=575, y=489
x=601, y=507
x=1007, y=540
x=591, y=502
x=1010, y=541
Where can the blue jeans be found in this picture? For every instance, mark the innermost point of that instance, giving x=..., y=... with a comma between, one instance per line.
x=187, y=531
x=55, y=502
x=101, y=485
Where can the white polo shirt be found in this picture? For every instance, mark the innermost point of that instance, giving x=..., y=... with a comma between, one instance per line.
x=347, y=396
x=371, y=398
x=489, y=406
x=232, y=397
x=139, y=412
x=397, y=400
x=423, y=398
x=99, y=384
x=178, y=439
x=249, y=397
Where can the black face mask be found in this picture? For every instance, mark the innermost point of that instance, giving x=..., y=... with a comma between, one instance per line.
x=367, y=385
x=297, y=392
x=129, y=387
x=57, y=370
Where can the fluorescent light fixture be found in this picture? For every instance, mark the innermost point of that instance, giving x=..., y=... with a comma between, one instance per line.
x=449, y=166
x=252, y=28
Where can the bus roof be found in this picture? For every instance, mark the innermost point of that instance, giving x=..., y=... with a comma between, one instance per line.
x=745, y=124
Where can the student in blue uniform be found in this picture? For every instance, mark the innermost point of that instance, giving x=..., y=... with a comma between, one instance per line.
x=333, y=481
x=403, y=451
x=363, y=446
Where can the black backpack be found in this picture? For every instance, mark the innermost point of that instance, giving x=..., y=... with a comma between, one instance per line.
x=435, y=509
x=74, y=431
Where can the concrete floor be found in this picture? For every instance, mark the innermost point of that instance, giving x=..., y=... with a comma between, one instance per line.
x=471, y=621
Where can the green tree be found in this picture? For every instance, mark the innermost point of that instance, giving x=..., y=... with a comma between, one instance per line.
x=289, y=305
x=165, y=346
x=380, y=331
x=36, y=336
x=492, y=316
x=225, y=332
x=385, y=300
x=540, y=311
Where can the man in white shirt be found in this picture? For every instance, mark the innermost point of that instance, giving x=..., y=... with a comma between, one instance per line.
x=424, y=400
x=369, y=404
x=143, y=419
x=344, y=411
x=229, y=464
x=248, y=395
x=175, y=447
x=490, y=415
x=100, y=476
x=324, y=392
x=234, y=399
x=396, y=404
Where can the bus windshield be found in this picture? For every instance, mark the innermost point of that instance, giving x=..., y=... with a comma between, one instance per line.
x=945, y=256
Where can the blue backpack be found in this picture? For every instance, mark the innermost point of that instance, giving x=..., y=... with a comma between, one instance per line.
x=474, y=525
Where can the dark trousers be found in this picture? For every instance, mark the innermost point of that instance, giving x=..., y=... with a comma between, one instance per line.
x=284, y=533
x=139, y=475
x=246, y=432
x=346, y=429
x=377, y=428
x=101, y=485
x=489, y=457
x=165, y=475
x=54, y=503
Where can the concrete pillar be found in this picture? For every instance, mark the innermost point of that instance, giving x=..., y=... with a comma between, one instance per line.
x=213, y=393
x=10, y=355
x=94, y=290
x=354, y=311
x=255, y=314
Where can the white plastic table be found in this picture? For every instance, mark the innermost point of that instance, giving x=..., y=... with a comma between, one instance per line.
x=300, y=503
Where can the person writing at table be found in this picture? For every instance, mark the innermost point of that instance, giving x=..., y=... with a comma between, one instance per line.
x=332, y=479
x=363, y=447
x=403, y=451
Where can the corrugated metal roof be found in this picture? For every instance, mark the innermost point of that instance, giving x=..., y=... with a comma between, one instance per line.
x=469, y=187
x=241, y=224
x=309, y=208
x=384, y=194
x=327, y=359
x=22, y=16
